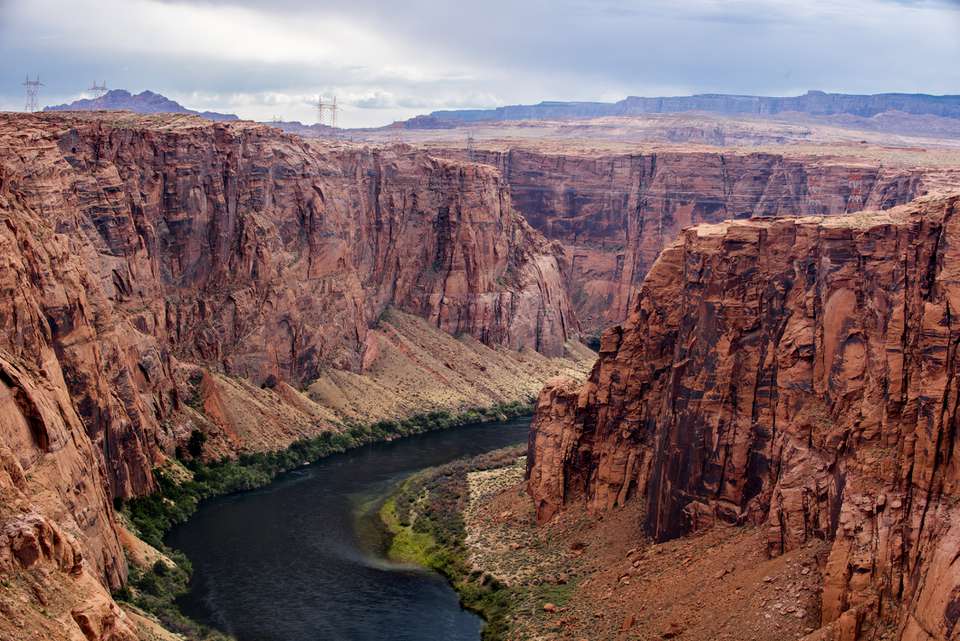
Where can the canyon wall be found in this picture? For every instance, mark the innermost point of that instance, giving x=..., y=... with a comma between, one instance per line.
x=614, y=213
x=138, y=245
x=796, y=374
x=162, y=274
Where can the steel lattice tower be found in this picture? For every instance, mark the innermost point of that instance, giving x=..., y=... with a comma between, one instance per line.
x=327, y=107
x=32, y=88
x=98, y=91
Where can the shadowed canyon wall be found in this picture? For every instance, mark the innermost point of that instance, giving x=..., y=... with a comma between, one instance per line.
x=614, y=213
x=796, y=374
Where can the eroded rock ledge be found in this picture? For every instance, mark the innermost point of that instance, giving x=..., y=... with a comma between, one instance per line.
x=798, y=374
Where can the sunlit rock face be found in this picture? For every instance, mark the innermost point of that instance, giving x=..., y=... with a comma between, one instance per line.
x=797, y=375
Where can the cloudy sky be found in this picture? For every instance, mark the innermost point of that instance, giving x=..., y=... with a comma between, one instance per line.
x=387, y=60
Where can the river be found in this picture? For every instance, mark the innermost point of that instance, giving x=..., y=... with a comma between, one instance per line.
x=301, y=559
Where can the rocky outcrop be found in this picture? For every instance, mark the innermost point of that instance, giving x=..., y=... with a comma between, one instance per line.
x=613, y=214
x=797, y=374
x=59, y=550
x=46, y=454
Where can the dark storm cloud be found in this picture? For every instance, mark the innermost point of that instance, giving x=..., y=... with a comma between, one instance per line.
x=389, y=60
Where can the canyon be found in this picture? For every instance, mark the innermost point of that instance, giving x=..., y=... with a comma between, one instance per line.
x=165, y=275
x=614, y=213
x=791, y=375
x=768, y=358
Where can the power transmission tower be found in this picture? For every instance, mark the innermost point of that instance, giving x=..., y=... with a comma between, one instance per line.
x=32, y=88
x=470, y=148
x=327, y=107
x=98, y=91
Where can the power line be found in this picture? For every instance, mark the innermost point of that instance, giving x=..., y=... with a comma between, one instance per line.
x=32, y=88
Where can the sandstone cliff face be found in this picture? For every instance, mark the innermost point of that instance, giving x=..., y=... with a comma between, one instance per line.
x=614, y=213
x=156, y=270
x=797, y=374
x=139, y=245
x=59, y=551
x=304, y=245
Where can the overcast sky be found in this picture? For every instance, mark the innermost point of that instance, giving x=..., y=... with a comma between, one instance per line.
x=390, y=60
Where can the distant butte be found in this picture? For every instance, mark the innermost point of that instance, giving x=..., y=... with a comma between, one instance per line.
x=145, y=102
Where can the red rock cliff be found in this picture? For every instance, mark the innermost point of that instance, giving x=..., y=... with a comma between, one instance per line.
x=797, y=374
x=139, y=243
x=144, y=257
x=614, y=213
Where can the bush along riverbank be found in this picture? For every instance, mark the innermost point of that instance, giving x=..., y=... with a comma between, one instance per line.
x=156, y=589
x=425, y=526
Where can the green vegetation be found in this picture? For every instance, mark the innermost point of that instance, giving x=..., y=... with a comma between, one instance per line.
x=424, y=518
x=154, y=515
x=195, y=445
x=406, y=544
x=156, y=589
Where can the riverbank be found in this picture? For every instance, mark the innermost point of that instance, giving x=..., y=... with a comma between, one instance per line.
x=473, y=522
x=595, y=576
x=154, y=588
x=424, y=520
x=498, y=561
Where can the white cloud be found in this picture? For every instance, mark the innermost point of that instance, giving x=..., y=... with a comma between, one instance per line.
x=394, y=60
